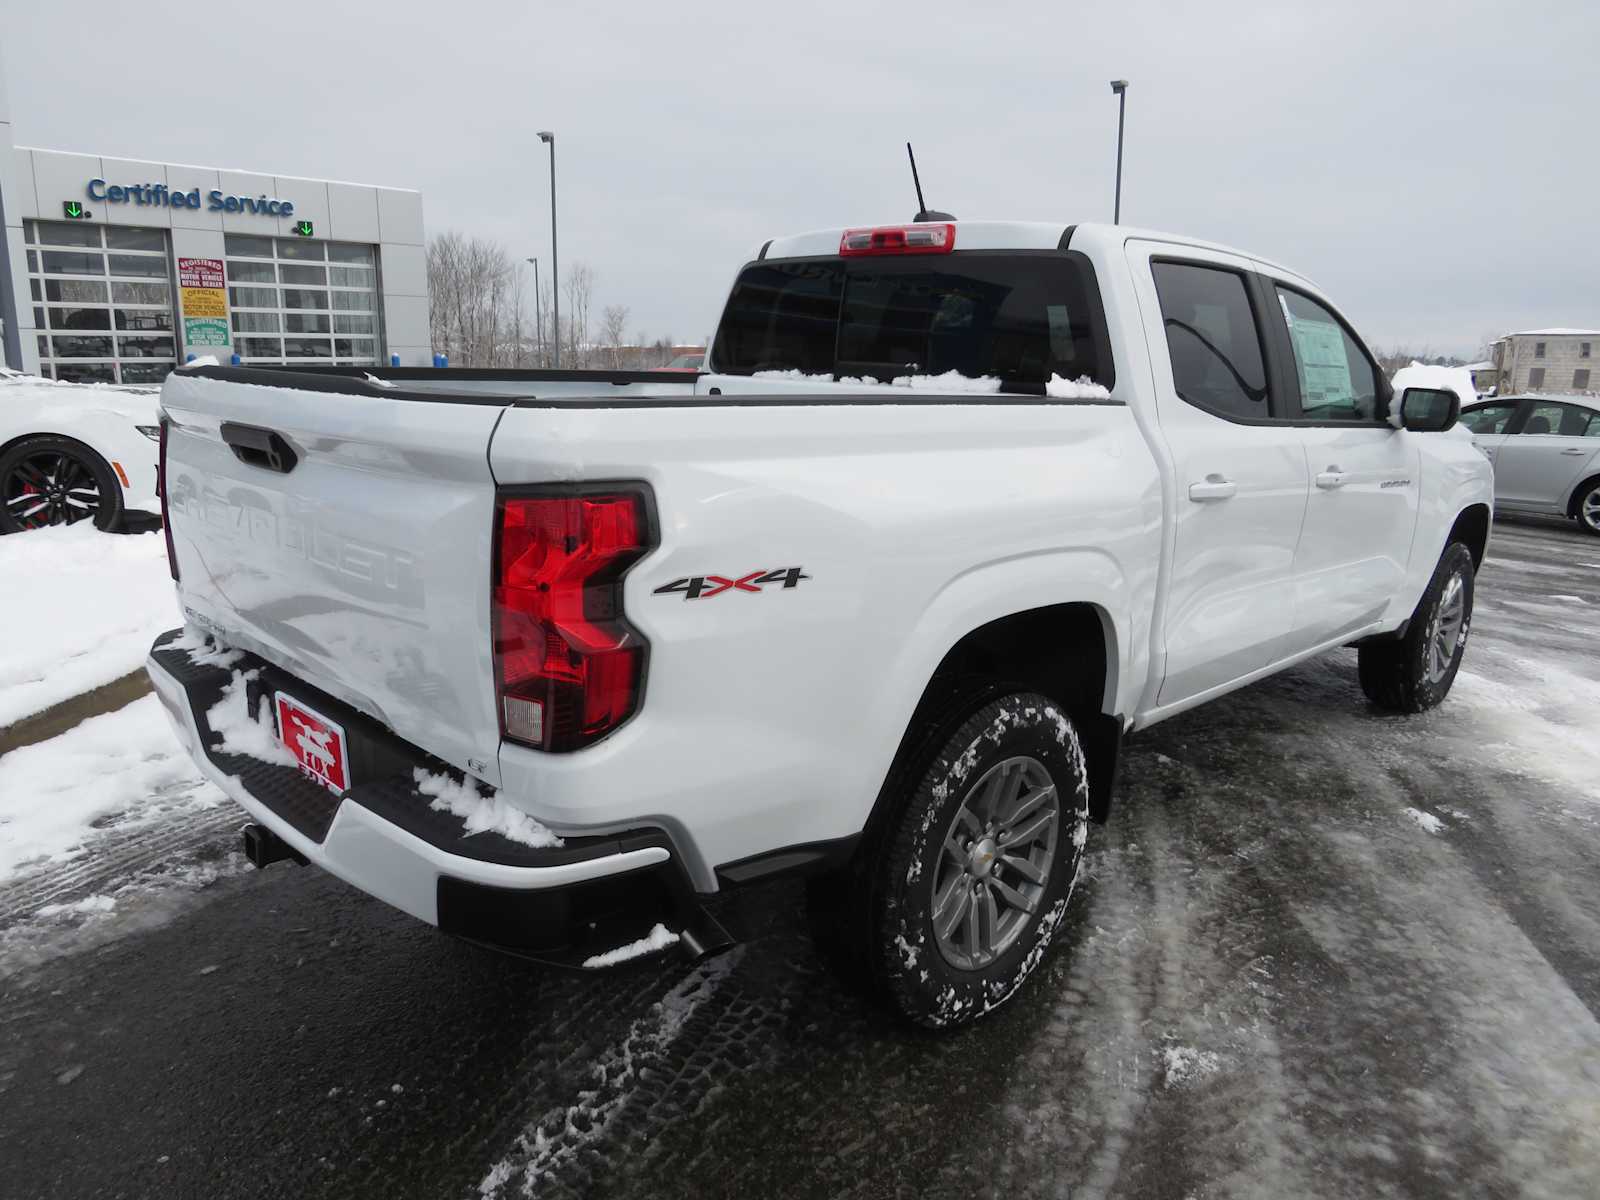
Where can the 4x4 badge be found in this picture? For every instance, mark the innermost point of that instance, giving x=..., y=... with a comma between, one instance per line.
x=703, y=587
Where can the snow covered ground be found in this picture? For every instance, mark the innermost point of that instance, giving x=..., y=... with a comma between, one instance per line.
x=79, y=609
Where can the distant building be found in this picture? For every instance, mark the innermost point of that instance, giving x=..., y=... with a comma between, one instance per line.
x=1546, y=360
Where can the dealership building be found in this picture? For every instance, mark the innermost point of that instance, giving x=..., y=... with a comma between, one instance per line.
x=118, y=268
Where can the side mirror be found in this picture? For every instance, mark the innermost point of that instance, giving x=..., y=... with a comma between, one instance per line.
x=1428, y=410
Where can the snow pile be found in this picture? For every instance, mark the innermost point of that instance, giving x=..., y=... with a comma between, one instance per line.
x=482, y=813
x=134, y=400
x=794, y=374
x=123, y=768
x=1426, y=820
x=1081, y=388
x=81, y=610
x=383, y=383
x=658, y=938
x=1421, y=375
x=950, y=381
x=201, y=360
x=256, y=737
x=1183, y=1065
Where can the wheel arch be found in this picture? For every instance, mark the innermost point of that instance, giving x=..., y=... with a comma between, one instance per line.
x=1580, y=491
x=1066, y=651
x=1471, y=528
x=76, y=438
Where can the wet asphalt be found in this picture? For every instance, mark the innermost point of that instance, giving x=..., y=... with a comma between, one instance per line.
x=1317, y=951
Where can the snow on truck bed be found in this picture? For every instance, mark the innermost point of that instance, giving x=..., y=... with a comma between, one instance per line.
x=78, y=609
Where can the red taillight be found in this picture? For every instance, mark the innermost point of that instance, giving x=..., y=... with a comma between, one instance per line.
x=899, y=239
x=161, y=490
x=568, y=667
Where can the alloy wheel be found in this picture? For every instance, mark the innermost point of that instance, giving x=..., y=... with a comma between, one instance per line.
x=1444, y=634
x=995, y=862
x=51, y=487
x=1589, y=510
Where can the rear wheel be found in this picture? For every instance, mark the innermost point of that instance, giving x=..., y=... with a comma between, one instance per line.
x=977, y=864
x=1414, y=672
x=50, y=480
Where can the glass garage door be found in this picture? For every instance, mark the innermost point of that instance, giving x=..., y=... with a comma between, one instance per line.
x=300, y=300
x=102, y=300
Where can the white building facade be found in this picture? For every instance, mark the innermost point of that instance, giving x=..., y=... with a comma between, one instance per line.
x=120, y=268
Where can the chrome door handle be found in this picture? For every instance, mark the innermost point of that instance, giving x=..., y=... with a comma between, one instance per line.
x=1331, y=479
x=1215, y=487
x=1574, y=450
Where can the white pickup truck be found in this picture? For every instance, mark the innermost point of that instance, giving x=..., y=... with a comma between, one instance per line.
x=549, y=660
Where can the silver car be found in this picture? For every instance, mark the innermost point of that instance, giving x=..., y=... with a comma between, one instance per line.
x=1546, y=453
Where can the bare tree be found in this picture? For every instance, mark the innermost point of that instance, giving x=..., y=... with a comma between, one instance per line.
x=474, y=316
x=614, y=329
x=579, y=287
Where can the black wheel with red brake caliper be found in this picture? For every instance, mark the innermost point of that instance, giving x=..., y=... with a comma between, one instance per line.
x=51, y=480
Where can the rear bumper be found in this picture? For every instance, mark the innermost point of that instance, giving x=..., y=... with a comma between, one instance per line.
x=383, y=837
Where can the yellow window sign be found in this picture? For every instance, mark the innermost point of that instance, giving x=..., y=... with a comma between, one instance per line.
x=204, y=302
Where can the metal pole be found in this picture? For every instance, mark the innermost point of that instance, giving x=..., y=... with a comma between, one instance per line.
x=1120, y=87
x=555, y=256
x=11, y=344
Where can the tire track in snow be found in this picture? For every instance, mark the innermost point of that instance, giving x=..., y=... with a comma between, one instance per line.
x=113, y=856
x=626, y=1080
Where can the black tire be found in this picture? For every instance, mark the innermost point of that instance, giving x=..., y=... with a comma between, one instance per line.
x=1025, y=752
x=1586, y=506
x=30, y=468
x=1414, y=673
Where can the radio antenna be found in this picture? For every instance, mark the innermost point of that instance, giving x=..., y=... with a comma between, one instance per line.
x=924, y=213
x=922, y=207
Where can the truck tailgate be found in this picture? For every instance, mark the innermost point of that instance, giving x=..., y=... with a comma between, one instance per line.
x=362, y=568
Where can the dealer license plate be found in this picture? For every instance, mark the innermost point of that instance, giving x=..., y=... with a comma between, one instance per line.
x=317, y=743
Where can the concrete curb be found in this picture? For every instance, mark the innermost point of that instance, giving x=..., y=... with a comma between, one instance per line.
x=59, y=718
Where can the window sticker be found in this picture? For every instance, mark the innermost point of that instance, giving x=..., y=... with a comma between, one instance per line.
x=1324, y=368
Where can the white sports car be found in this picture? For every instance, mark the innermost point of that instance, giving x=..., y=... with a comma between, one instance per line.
x=74, y=452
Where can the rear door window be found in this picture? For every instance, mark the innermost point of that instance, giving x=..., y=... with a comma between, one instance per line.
x=1019, y=317
x=1212, y=339
x=1560, y=420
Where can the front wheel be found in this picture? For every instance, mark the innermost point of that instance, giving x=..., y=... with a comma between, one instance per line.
x=51, y=480
x=980, y=862
x=1414, y=673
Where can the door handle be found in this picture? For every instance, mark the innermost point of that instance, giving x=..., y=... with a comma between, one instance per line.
x=1214, y=487
x=1574, y=450
x=1331, y=478
x=259, y=447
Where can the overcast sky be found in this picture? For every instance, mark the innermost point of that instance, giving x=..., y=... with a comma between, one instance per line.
x=1431, y=165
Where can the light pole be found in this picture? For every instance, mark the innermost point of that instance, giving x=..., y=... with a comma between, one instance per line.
x=538, y=312
x=549, y=139
x=1120, y=87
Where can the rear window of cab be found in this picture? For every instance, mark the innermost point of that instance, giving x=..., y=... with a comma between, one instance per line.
x=1021, y=317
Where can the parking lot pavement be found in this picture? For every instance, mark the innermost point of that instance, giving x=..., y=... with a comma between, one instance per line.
x=1318, y=951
